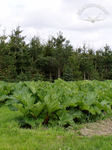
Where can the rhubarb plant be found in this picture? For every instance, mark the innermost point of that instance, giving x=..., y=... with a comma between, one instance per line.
x=59, y=103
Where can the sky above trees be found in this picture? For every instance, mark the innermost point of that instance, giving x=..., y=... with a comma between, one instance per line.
x=46, y=18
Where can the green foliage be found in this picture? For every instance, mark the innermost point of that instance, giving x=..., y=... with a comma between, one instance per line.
x=48, y=138
x=38, y=76
x=67, y=75
x=5, y=90
x=74, y=65
x=22, y=77
x=62, y=51
x=59, y=103
x=7, y=61
x=20, y=50
x=50, y=60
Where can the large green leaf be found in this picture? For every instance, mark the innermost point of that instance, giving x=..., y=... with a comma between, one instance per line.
x=66, y=118
x=104, y=105
x=10, y=101
x=75, y=113
x=37, y=108
x=68, y=101
x=20, y=107
x=27, y=99
x=52, y=103
x=108, y=94
x=30, y=121
x=32, y=85
x=3, y=96
x=90, y=98
x=84, y=106
x=86, y=86
x=95, y=109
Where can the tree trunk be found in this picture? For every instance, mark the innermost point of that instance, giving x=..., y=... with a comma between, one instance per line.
x=106, y=70
x=88, y=76
x=0, y=65
x=50, y=75
x=59, y=72
x=84, y=76
x=95, y=65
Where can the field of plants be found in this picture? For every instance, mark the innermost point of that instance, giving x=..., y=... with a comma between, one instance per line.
x=60, y=103
x=55, y=116
x=12, y=137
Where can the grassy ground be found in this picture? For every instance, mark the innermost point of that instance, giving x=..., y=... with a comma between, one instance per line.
x=12, y=137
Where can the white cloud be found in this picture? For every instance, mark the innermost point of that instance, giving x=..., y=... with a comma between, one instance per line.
x=49, y=17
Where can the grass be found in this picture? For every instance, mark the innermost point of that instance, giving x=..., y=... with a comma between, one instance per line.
x=12, y=137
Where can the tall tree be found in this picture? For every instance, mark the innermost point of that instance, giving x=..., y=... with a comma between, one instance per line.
x=107, y=60
x=35, y=51
x=84, y=62
x=20, y=49
x=62, y=51
x=7, y=61
x=85, y=58
x=49, y=61
x=74, y=65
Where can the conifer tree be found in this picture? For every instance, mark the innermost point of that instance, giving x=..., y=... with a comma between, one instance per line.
x=20, y=49
x=62, y=51
x=7, y=61
x=35, y=52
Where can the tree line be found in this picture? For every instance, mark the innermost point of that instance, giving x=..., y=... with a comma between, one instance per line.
x=53, y=59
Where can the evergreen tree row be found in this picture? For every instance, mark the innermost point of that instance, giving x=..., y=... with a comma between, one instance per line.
x=54, y=59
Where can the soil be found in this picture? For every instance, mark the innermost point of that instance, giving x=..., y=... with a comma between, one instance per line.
x=103, y=127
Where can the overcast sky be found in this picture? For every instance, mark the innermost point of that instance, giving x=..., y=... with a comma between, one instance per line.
x=45, y=18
